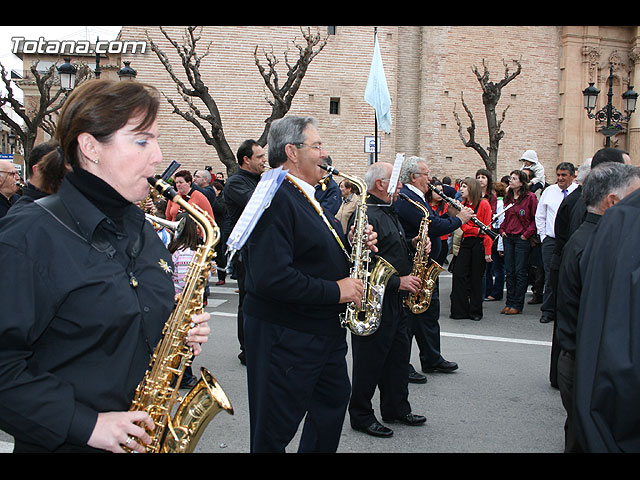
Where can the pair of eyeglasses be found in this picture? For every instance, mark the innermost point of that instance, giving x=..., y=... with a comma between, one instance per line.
x=15, y=174
x=317, y=147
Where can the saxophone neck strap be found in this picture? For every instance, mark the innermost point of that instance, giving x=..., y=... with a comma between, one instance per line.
x=318, y=209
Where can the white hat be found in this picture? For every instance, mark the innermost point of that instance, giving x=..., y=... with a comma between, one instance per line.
x=530, y=156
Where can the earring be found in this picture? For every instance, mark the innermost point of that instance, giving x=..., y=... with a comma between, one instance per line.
x=95, y=161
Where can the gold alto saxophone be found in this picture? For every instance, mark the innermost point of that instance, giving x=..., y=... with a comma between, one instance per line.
x=157, y=393
x=365, y=320
x=424, y=267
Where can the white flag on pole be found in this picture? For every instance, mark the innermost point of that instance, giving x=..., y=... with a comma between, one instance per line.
x=376, y=93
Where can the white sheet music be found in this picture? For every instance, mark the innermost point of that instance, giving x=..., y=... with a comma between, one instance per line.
x=395, y=174
x=260, y=200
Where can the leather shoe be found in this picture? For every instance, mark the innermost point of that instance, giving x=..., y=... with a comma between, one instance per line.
x=415, y=377
x=511, y=311
x=444, y=367
x=376, y=429
x=410, y=419
x=545, y=320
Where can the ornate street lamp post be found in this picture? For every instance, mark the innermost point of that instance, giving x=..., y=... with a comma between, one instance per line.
x=609, y=114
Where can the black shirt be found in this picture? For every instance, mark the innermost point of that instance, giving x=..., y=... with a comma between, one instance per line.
x=75, y=336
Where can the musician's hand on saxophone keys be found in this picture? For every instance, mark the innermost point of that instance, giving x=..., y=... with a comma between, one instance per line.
x=372, y=237
x=351, y=290
x=410, y=283
x=199, y=332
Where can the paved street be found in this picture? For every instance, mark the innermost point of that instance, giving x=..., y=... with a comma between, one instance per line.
x=499, y=401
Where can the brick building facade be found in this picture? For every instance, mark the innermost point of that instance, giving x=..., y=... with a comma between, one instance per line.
x=428, y=68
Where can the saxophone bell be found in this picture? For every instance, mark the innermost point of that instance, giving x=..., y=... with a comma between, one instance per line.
x=424, y=267
x=157, y=392
x=364, y=320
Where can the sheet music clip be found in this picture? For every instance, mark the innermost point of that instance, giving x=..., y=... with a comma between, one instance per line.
x=260, y=200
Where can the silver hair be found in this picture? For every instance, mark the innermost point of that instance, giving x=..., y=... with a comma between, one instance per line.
x=583, y=171
x=206, y=175
x=410, y=165
x=376, y=171
x=284, y=131
x=606, y=178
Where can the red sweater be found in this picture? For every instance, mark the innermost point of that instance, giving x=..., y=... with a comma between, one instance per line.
x=483, y=214
x=521, y=218
x=196, y=198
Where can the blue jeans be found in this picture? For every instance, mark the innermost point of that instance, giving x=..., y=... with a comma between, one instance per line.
x=494, y=276
x=516, y=265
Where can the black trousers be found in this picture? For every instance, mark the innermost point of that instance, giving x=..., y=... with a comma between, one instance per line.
x=380, y=360
x=566, y=368
x=291, y=374
x=425, y=328
x=467, y=285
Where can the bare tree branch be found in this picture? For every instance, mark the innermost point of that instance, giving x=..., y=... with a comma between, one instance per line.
x=208, y=120
x=491, y=93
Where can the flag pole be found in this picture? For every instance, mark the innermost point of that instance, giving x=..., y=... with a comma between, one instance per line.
x=375, y=118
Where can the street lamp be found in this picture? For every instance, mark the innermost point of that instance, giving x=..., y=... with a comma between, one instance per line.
x=67, y=75
x=126, y=72
x=608, y=113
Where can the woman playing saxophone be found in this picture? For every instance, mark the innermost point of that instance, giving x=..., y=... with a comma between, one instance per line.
x=70, y=361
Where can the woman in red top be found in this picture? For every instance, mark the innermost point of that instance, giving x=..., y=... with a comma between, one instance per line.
x=518, y=227
x=183, y=181
x=440, y=208
x=475, y=251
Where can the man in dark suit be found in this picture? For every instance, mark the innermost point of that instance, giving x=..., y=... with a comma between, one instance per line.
x=238, y=189
x=297, y=282
x=380, y=359
x=415, y=178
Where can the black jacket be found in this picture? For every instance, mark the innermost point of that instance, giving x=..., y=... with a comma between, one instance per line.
x=607, y=373
x=570, y=284
x=237, y=192
x=293, y=262
x=75, y=336
x=411, y=217
x=392, y=242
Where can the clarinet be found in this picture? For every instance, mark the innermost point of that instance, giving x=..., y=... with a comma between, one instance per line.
x=457, y=205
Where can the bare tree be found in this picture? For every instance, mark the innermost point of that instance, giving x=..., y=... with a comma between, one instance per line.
x=52, y=97
x=491, y=93
x=195, y=88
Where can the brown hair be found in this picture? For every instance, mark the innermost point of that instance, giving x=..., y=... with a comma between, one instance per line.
x=100, y=108
x=474, y=190
x=186, y=174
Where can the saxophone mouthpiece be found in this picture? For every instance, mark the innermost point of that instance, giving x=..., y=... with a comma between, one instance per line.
x=163, y=187
x=329, y=168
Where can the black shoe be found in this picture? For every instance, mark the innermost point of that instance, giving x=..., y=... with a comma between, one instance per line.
x=476, y=317
x=545, y=320
x=415, y=377
x=458, y=317
x=536, y=299
x=410, y=419
x=242, y=358
x=376, y=429
x=444, y=367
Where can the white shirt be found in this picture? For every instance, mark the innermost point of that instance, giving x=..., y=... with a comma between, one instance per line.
x=548, y=204
x=416, y=190
x=307, y=188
